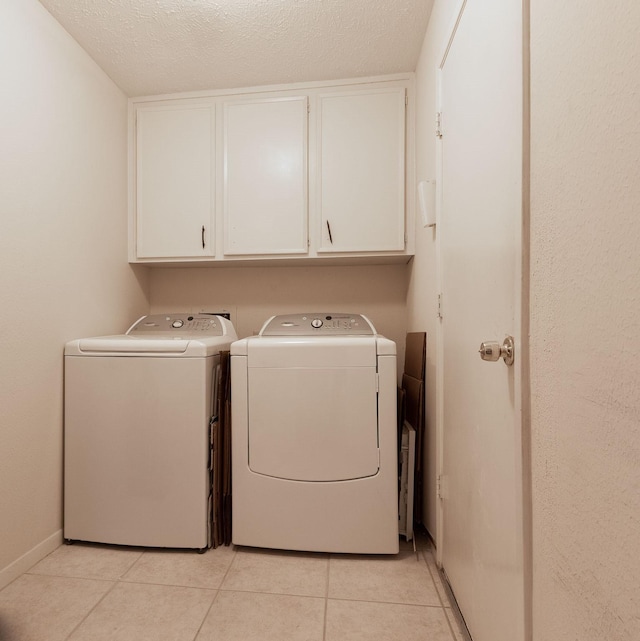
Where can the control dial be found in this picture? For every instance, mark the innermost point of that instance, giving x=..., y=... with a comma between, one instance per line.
x=177, y=324
x=317, y=323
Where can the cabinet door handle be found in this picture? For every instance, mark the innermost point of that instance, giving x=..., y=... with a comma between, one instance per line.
x=329, y=230
x=202, y=236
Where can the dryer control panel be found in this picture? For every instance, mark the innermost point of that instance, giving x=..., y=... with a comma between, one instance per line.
x=177, y=324
x=314, y=324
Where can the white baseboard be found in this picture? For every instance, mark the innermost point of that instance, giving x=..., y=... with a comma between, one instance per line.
x=30, y=558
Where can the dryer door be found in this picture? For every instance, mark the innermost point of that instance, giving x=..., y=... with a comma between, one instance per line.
x=313, y=409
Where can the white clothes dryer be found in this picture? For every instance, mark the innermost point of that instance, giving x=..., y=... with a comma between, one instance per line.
x=138, y=409
x=314, y=436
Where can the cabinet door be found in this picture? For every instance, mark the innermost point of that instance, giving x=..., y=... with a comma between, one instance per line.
x=175, y=181
x=361, y=170
x=265, y=176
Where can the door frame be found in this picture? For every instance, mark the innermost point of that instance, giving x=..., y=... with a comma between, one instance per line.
x=523, y=355
x=451, y=32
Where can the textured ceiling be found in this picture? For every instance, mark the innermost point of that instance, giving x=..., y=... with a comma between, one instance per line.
x=163, y=46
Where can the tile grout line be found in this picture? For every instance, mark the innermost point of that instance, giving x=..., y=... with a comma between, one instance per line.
x=288, y=594
x=88, y=614
x=424, y=554
x=83, y=577
x=433, y=580
x=233, y=560
x=315, y=596
x=114, y=582
x=171, y=585
x=121, y=577
x=206, y=614
x=326, y=599
x=215, y=596
x=409, y=605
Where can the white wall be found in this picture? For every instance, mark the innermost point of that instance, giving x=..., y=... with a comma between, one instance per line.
x=253, y=294
x=585, y=319
x=422, y=295
x=63, y=259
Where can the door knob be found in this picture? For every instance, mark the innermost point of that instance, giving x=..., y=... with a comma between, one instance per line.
x=493, y=351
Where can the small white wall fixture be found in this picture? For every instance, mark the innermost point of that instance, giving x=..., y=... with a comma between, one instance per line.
x=427, y=202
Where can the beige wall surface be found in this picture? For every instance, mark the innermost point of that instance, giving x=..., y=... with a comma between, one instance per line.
x=253, y=294
x=585, y=319
x=422, y=297
x=63, y=259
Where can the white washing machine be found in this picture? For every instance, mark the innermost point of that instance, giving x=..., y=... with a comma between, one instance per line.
x=138, y=409
x=314, y=436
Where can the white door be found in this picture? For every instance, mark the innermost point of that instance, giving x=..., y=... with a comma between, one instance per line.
x=481, y=86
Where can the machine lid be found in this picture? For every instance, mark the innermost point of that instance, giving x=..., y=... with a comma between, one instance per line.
x=172, y=335
x=318, y=324
x=127, y=344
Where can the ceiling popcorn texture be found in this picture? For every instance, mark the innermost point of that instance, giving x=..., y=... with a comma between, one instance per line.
x=163, y=46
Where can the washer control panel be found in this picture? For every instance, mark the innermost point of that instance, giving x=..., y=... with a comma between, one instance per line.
x=178, y=325
x=315, y=324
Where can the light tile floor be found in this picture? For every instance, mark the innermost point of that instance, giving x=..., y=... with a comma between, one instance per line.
x=86, y=592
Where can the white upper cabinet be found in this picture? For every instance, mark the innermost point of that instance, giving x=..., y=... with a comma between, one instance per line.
x=175, y=188
x=361, y=170
x=265, y=176
x=318, y=172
